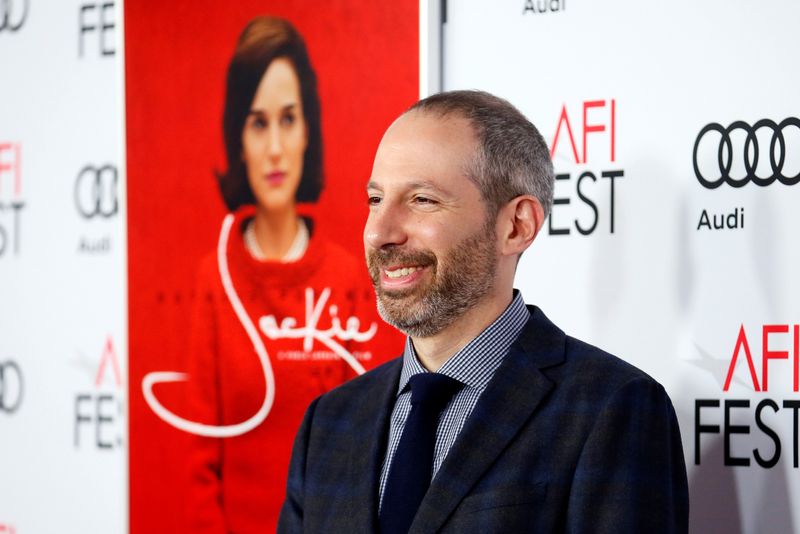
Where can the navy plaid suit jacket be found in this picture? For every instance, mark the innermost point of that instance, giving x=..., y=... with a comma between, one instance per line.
x=566, y=438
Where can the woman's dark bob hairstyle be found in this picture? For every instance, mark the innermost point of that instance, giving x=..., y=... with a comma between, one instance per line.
x=263, y=40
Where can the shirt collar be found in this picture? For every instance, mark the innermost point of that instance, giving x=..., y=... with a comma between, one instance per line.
x=475, y=364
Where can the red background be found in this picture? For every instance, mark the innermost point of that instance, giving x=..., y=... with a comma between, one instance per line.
x=366, y=56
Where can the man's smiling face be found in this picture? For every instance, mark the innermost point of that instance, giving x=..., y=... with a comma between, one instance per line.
x=431, y=248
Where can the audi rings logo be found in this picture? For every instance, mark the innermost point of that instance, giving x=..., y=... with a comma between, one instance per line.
x=13, y=14
x=96, y=191
x=10, y=386
x=779, y=148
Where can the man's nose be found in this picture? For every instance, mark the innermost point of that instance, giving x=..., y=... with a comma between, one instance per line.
x=386, y=225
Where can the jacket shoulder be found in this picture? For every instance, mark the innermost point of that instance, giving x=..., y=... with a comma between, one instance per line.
x=592, y=378
x=583, y=355
x=567, y=360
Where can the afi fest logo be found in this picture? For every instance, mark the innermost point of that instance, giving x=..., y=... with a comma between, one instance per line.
x=13, y=14
x=307, y=328
x=582, y=144
x=760, y=437
x=11, y=201
x=739, y=154
x=98, y=411
x=97, y=21
x=11, y=386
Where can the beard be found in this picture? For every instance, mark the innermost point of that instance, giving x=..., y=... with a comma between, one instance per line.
x=461, y=278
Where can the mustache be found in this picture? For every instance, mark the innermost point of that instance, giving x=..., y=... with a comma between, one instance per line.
x=383, y=257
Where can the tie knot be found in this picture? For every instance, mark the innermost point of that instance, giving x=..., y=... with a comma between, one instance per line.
x=433, y=390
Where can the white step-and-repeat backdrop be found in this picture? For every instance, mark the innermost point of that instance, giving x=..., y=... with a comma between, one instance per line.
x=62, y=268
x=675, y=134
x=672, y=243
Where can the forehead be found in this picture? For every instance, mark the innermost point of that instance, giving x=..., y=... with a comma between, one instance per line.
x=279, y=83
x=422, y=146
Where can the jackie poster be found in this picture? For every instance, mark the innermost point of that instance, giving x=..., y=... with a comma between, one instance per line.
x=251, y=129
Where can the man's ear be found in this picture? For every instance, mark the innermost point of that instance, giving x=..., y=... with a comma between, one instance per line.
x=519, y=223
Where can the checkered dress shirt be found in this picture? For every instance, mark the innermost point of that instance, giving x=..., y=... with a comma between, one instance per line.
x=474, y=366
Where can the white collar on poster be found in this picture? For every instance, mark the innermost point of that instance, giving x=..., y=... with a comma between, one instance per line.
x=295, y=252
x=287, y=329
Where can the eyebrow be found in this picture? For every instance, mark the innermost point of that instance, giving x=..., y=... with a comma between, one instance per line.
x=416, y=184
x=287, y=107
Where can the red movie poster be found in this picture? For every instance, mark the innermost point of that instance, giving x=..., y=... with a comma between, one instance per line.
x=251, y=128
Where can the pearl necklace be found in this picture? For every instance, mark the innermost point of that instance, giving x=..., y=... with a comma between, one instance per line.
x=296, y=249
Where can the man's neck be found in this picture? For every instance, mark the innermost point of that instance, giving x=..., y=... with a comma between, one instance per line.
x=435, y=350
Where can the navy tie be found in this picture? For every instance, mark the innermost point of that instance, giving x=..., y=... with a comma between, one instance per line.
x=412, y=466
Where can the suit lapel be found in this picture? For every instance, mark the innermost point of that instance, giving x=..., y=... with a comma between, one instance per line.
x=511, y=397
x=366, y=458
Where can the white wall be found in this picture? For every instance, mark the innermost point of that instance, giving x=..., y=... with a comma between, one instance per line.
x=62, y=273
x=658, y=291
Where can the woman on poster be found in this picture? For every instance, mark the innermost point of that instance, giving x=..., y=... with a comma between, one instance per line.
x=275, y=287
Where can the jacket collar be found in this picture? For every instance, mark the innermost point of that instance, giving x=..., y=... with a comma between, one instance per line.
x=509, y=400
x=366, y=458
x=512, y=395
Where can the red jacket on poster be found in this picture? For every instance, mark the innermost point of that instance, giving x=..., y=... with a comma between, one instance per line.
x=317, y=322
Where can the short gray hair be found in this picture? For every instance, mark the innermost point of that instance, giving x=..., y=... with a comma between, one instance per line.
x=513, y=158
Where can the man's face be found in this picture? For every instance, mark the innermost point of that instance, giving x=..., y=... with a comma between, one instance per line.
x=431, y=248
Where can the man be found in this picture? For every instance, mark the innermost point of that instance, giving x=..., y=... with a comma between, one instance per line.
x=493, y=420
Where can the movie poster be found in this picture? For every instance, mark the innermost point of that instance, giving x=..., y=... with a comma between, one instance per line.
x=251, y=129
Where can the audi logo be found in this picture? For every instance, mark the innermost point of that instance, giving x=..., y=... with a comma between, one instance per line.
x=750, y=153
x=13, y=14
x=96, y=191
x=10, y=386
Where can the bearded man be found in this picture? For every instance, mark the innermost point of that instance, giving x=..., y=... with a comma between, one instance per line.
x=493, y=420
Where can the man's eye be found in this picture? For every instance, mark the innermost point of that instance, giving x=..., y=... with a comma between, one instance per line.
x=373, y=200
x=424, y=200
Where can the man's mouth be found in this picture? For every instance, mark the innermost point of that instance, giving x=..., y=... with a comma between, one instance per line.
x=401, y=272
x=395, y=272
x=402, y=279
